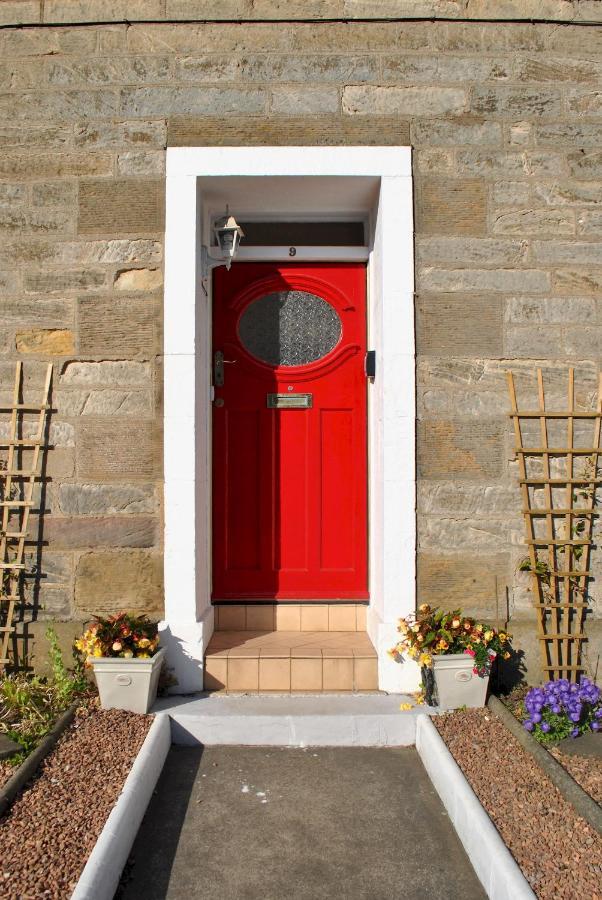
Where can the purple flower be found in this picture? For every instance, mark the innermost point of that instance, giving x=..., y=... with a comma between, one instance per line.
x=595, y=726
x=574, y=717
x=575, y=733
x=528, y=725
x=545, y=727
x=556, y=709
x=536, y=717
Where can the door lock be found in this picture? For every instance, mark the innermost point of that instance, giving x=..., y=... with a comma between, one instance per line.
x=218, y=368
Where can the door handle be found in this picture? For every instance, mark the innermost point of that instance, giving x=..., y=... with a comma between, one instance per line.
x=218, y=368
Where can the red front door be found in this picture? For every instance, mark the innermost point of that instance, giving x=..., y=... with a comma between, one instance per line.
x=289, y=432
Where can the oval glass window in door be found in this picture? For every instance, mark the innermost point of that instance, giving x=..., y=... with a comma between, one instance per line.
x=289, y=328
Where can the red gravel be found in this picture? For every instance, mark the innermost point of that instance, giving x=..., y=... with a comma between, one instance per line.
x=49, y=832
x=558, y=852
x=587, y=771
x=6, y=772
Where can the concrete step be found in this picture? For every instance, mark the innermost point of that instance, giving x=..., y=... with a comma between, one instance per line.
x=292, y=720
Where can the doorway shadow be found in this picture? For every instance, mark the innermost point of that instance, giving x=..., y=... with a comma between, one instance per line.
x=147, y=872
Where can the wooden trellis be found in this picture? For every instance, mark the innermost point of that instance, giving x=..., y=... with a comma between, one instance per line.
x=559, y=508
x=17, y=497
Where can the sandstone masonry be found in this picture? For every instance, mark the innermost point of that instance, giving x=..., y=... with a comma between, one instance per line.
x=505, y=121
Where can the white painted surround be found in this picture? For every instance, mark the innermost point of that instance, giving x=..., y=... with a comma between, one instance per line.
x=296, y=182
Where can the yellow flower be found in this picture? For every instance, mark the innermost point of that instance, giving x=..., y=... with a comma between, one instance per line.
x=97, y=652
x=488, y=635
x=402, y=626
x=455, y=623
x=503, y=637
x=127, y=654
x=416, y=628
x=144, y=642
x=420, y=638
x=116, y=646
x=412, y=652
x=406, y=706
x=424, y=608
x=506, y=655
x=442, y=645
x=144, y=656
x=425, y=659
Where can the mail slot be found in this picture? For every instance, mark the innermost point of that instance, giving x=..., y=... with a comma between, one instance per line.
x=290, y=401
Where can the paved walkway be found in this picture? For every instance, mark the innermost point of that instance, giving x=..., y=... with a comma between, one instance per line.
x=288, y=824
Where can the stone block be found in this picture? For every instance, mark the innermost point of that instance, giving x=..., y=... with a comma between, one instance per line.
x=468, y=251
x=550, y=310
x=48, y=566
x=491, y=164
x=458, y=131
x=572, y=252
x=570, y=134
x=465, y=535
x=469, y=450
x=57, y=164
x=404, y=101
x=39, y=136
x=104, y=402
x=110, y=581
x=107, y=499
x=107, y=251
x=78, y=532
x=120, y=206
x=544, y=164
x=20, y=12
x=122, y=328
x=533, y=221
x=36, y=221
x=68, y=11
x=303, y=101
x=557, y=69
x=272, y=69
x=568, y=282
x=451, y=206
x=583, y=102
x=468, y=280
x=590, y=222
x=472, y=583
x=138, y=280
x=107, y=451
x=12, y=195
x=586, y=164
x=511, y=193
x=434, y=162
x=10, y=283
x=295, y=132
x=192, y=101
x=529, y=341
x=196, y=39
x=47, y=42
x=34, y=646
x=54, y=193
x=48, y=341
x=60, y=106
x=121, y=135
x=51, y=282
x=465, y=499
x=141, y=162
x=526, y=101
x=120, y=373
x=582, y=342
x=459, y=326
x=576, y=193
x=109, y=71
x=50, y=314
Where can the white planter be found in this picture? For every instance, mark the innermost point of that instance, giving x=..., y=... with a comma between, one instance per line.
x=127, y=683
x=456, y=683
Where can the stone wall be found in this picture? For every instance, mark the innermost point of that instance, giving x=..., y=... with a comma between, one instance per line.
x=506, y=124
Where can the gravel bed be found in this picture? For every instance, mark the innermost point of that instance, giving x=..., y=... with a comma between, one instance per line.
x=49, y=832
x=558, y=852
x=6, y=772
x=586, y=771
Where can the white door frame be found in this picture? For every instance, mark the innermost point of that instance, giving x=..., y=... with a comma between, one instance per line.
x=188, y=621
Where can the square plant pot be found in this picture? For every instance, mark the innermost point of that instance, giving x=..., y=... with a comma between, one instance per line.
x=451, y=683
x=127, y=683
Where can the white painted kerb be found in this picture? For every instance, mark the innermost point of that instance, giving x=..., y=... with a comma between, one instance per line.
x=379, y=180
x=102, y=872
x=493, y=863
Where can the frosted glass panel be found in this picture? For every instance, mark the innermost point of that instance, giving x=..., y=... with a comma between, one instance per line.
x=289, y=328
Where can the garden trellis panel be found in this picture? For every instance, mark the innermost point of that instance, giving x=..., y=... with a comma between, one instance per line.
x=25, y=439
x=558, y=482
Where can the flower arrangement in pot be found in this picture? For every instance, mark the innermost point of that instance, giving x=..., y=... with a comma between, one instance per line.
x=123, y=651
x=455, y=652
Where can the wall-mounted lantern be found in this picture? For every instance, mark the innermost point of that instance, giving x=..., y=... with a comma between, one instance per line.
x=228, y=233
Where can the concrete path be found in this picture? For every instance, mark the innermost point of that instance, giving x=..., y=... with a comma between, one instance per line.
x=289, y=824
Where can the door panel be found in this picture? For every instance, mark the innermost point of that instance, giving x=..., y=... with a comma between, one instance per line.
x=289, y=432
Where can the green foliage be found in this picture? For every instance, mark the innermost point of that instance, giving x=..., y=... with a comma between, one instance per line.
x=30, y=705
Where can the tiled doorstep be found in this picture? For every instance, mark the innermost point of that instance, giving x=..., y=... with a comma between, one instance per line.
x=290, y=661
x=289, y=720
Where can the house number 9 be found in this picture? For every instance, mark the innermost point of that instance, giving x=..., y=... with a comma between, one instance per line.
x=292, y=251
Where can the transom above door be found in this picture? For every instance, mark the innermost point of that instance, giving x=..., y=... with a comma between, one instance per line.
x=289, y=432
